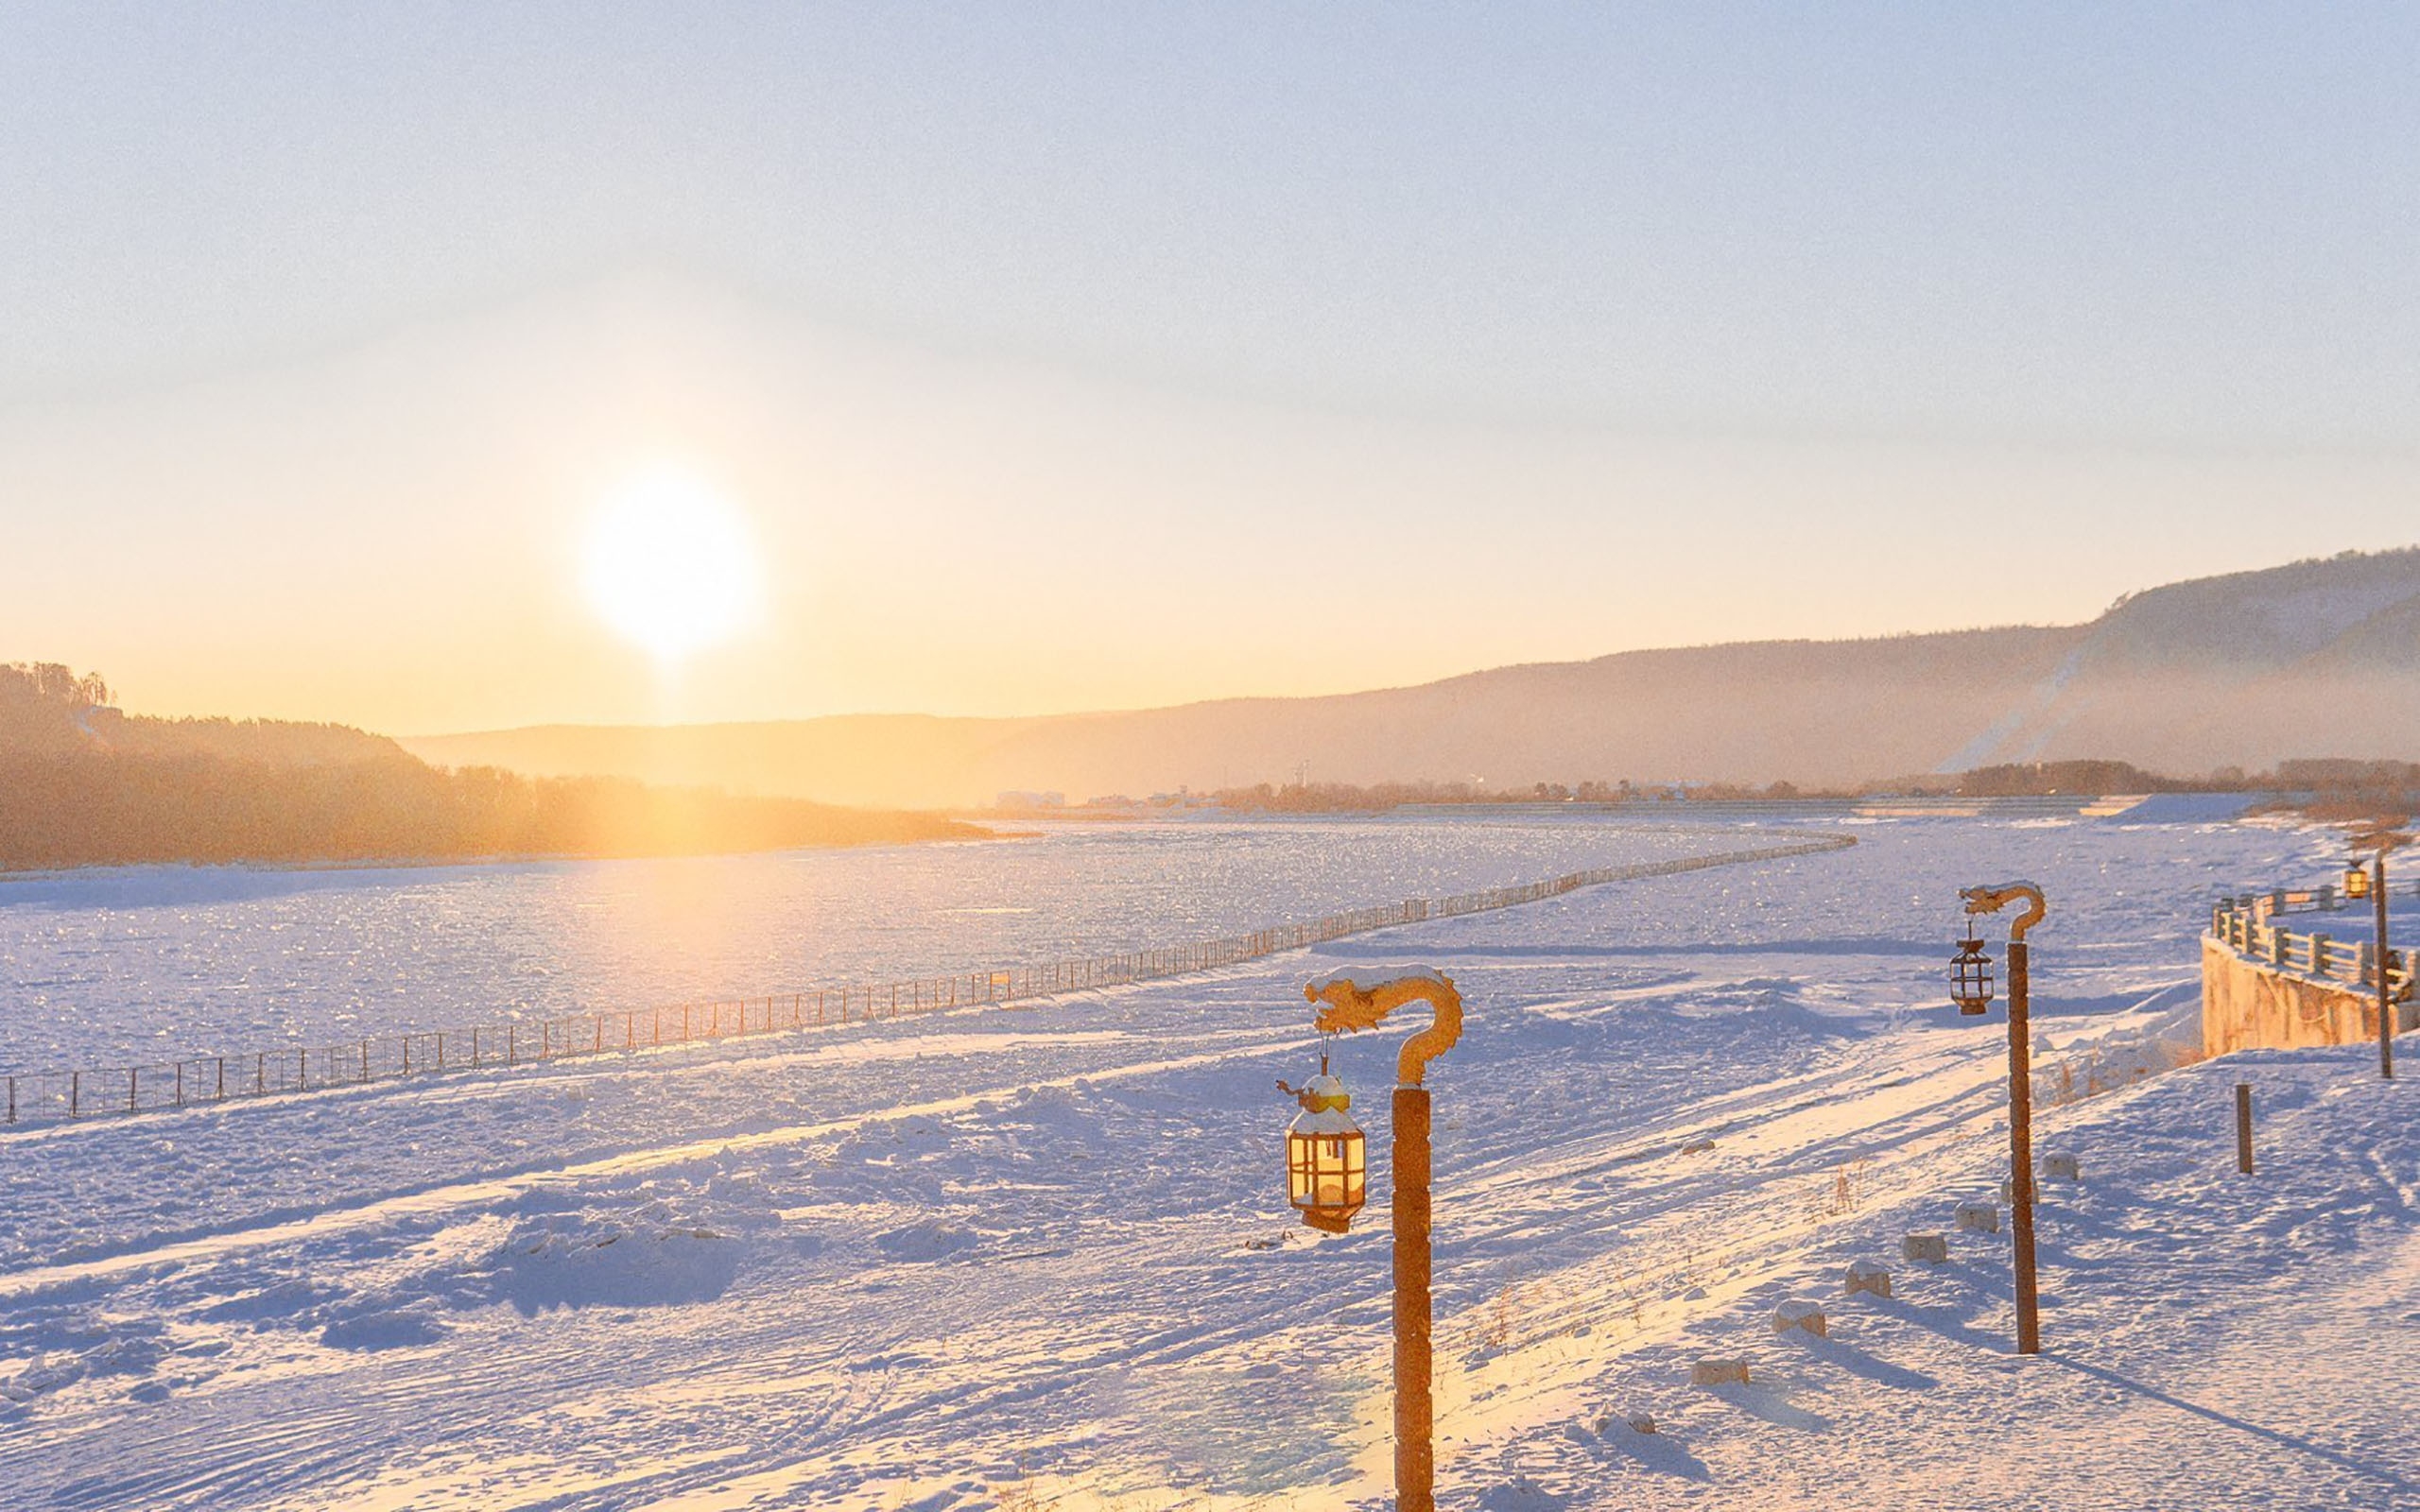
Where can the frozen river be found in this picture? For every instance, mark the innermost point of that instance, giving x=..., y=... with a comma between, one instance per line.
x=156, y=962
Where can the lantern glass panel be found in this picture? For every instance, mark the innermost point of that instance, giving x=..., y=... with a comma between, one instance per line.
x=1970, y=977
x=1327, y=1176
x=2356, y=880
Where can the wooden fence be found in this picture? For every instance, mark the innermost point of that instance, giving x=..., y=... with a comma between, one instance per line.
x=2253, y=926
x=98, y=1091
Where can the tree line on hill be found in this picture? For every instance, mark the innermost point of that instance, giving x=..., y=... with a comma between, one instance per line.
x=2319, y=785
x=82, y=784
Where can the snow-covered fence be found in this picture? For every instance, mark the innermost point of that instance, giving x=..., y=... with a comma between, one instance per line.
x=2267, y=986
x=2249, y=925
x=99, y=1092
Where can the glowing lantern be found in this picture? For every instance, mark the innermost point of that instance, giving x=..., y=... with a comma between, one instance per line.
x=1328, y=1168
x=1970, y=976
x=2357, y=879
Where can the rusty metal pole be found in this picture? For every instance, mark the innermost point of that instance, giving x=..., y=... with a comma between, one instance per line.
x=2020, y=1151
x=1415, y=1410
x=2386, y=992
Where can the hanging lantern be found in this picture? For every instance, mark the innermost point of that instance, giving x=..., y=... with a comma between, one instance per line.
x=2357, y=878
x=1970, y=976
x=1328, y=1168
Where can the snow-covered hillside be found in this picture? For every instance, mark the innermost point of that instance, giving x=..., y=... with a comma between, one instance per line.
x=1039, y=1257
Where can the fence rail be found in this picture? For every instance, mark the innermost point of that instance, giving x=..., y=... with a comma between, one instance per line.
x=2243, y=926
x=101, y=1091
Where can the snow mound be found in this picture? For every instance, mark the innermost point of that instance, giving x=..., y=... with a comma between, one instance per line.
x=584, y=1259
x=399, y=1329
x=931, y=1240
x=1521, y=1494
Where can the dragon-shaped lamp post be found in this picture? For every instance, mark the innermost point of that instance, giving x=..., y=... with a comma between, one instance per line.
x=2020, y=1095
x=1347, y=1006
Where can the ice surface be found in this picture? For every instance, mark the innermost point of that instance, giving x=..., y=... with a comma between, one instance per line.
x=153, y=962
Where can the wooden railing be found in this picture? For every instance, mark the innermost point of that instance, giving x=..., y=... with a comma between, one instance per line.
x=2251, y=925
x=98, y=1091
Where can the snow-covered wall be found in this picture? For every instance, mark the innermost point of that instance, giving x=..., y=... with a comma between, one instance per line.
x=2247, y=1006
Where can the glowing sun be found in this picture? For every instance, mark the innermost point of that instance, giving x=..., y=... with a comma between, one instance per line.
x=670, y=565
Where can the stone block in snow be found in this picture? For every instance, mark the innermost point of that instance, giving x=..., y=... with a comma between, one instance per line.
x=1712, y=1371
x=2062, y=1165
x=1865, y=1276
x=1979, y=1217
x=1930, y=1249
x=1804, y=1316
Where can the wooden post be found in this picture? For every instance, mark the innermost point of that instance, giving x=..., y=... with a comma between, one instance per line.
x=1416, y=1450
x=2386, y=994
x=2020, y=1141
x=2243, y=1127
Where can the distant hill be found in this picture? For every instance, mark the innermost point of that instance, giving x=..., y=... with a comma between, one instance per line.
x=83, y=784
x=2314, y=660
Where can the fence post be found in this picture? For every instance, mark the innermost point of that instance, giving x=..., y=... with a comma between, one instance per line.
x=132, y=1073
x=75, y=1093
x=512, y=1044
x=223, y=1078
x=365, y=1061
x=2243, y=1127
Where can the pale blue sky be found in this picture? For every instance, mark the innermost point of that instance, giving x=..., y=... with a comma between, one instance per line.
x=1915, y=243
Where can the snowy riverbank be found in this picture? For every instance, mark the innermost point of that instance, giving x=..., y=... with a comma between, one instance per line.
x=1042, y=1259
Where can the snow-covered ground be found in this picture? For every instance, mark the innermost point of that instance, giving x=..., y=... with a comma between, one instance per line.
x=1039, y=1257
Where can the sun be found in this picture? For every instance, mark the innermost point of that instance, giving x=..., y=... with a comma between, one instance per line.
x=671, y=566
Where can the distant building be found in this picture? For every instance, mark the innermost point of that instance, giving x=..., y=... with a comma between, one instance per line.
x=1013, y=799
